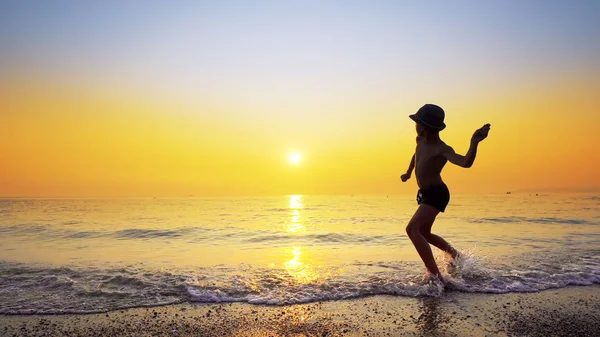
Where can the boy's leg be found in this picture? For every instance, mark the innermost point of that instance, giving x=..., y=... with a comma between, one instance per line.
x=421, y=220
x=438, y=241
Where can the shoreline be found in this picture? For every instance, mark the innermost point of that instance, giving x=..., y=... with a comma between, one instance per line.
x=570, y=311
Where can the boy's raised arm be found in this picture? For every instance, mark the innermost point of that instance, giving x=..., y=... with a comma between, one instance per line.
x=460, y=160
x=411, y=166
x=468, y=159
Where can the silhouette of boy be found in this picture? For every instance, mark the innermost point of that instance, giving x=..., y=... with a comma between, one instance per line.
x=428, y=161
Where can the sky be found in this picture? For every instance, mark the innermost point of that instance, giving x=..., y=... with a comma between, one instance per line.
x=179, y=98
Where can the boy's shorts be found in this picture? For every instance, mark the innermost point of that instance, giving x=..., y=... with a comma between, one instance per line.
x=437, y=196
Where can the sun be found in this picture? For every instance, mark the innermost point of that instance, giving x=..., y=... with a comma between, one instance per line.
x=294, y=158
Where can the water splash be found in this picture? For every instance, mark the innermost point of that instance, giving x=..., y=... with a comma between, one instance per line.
x=38, y=289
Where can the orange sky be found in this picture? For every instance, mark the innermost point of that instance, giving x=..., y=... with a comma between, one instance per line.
x=72, y=142
x=87, y=110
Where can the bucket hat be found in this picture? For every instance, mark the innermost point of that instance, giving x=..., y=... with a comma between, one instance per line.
x=430, y=115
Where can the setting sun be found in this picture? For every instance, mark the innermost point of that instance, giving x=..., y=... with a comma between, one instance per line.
x=294, y=157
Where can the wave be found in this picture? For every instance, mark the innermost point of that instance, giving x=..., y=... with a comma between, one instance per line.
x=546, y=220
x=325, y=238
x=151, y=233
x=53, y=231
x=290, y=209
x=196, y=234
x=28, y=289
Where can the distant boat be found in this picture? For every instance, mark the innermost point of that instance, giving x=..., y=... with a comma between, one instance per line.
x=508, y=193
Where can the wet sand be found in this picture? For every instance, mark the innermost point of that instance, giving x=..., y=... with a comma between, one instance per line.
x=573, y=311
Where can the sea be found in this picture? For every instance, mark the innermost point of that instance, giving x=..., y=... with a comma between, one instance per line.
x=61, y=256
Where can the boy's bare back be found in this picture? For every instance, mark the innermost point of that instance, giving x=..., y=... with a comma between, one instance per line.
x=429, y=162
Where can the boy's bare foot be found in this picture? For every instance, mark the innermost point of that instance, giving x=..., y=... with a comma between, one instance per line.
x=429, y=278
x=454, y=253
x=453, y=267
x=442, y=280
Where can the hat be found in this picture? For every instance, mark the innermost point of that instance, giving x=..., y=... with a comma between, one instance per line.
x=430, y=115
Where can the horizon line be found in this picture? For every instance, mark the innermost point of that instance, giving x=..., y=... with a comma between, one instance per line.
x=527, y=191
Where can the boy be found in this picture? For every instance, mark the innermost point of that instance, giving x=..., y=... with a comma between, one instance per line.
x=429, y=159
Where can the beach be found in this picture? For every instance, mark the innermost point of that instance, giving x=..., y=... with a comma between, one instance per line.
x=297, y=266
x=571, y=311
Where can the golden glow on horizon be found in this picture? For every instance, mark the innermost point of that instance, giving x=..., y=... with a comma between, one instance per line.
x=72, y=143
x=294, y=158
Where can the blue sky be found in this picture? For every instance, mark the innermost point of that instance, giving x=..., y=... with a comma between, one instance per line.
x=248, y=46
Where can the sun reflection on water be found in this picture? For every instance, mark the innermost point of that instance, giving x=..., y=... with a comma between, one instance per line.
x=295, y=225
x=295, y=262
x=300, y=271
x=297, y=267
x=296, y=201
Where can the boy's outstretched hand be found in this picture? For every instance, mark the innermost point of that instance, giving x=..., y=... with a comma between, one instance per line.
x=405, y=177
x=480, y=134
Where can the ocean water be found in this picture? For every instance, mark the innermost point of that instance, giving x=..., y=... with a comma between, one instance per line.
x=95, y=255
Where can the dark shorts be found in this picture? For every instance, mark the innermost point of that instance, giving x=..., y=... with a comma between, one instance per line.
x=436, y=196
